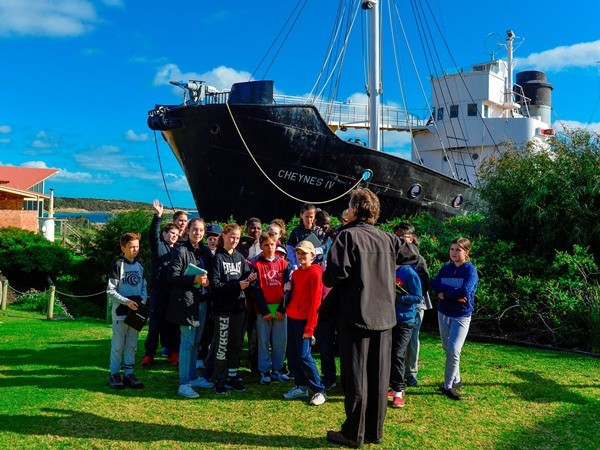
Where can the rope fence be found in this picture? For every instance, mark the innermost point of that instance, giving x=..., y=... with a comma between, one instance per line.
x=51, y=291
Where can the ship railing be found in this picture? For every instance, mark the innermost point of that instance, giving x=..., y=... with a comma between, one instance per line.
x=354, y=115
x=341, y=114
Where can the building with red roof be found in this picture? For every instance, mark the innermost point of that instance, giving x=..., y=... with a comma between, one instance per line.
x=22, y=196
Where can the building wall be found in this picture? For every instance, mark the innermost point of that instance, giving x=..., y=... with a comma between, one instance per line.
x=10, y=202
x=26, y=220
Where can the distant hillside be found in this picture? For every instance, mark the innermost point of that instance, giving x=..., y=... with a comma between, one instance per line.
x=98, y=204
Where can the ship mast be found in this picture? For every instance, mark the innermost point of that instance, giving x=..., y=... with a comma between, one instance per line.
x=508, y=97
x=374, y=84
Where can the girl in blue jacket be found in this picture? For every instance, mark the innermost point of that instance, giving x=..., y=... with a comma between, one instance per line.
x=455, y=286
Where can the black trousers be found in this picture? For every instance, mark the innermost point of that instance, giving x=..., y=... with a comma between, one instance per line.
x=159, y=328
x=228, y=344
x=365, y=374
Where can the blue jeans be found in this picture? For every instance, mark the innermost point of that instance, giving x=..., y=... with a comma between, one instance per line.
x=123, y=345
x=453, y=331
x=411, y=367
x=301, y=362
x=272, y=341
x=188, y=349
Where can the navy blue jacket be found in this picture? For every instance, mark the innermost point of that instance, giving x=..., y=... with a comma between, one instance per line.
x=456, y=282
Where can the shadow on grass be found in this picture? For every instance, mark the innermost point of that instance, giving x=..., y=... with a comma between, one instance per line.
x=543, y=390
x=73, y=424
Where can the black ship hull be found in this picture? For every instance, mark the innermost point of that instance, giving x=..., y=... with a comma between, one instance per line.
x=265, y=160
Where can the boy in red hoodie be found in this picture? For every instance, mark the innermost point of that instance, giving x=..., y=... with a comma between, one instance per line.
x=302, y=319
x=271, y=323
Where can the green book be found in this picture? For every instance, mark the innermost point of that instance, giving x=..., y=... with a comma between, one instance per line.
x=193, y=269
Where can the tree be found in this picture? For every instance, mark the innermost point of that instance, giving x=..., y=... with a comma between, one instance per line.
x=546, y=200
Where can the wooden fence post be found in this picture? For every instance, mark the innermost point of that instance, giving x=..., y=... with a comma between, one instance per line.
x=3, y=293
x=51, y=302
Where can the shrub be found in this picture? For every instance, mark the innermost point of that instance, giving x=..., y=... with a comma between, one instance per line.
x=28, y=259
x=38, y=302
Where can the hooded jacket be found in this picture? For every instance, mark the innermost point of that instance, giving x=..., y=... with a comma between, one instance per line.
x=456, y=282
x=228, y=269
x=183, y=307
x=307, y=291
x=125, y=281
x=269, y=289
x=361, y=266
x=161, y=256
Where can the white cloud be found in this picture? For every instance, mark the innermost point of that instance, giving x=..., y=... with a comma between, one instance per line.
x=44, y=141
x=132, y=136
x=5, y=141
x=56, y=18
x=109, y=158
x=221, y=77
x=5, y=129
x=71, y=177
x=585, y=54
x=177, y=183
x=571, y=124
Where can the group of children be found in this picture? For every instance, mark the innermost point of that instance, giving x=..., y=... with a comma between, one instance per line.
x=204, y=298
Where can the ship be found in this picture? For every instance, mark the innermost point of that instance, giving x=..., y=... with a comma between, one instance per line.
x=250, y=152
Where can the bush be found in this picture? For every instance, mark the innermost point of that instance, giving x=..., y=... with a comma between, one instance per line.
x=38, y=302
x=546, y=200
x=27, y=259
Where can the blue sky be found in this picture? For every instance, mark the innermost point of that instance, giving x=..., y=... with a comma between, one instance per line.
x=79, y=76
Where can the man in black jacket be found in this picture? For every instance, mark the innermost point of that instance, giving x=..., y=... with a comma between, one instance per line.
x=361, y=268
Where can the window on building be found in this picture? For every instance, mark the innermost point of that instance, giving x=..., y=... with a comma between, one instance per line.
x=440, y=113
x=453, y=111
x=472, y=109
x=486, y=111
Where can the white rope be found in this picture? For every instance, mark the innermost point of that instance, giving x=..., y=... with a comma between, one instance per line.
x=18, y=292
x=80, y=296
x=275, y=184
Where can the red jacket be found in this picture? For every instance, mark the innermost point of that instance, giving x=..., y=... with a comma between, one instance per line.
x=306, y=296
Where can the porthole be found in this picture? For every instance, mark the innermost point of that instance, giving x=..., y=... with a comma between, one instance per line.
x=475, y=156
x=215, y=129
x=414, y=191
x=457, y=201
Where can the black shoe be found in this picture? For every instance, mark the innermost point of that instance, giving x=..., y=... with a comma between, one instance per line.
x=234, y=384
x=220, y=387
x=457, y=385
x=411, y=381
x=114, y=381
x=337, y=438
x=451, y=393
x=131, y=381
x=373, y=441
x=328, y=385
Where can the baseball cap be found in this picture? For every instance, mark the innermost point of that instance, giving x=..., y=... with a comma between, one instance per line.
x=306, y=247
x=280, y=249
x=213, y=230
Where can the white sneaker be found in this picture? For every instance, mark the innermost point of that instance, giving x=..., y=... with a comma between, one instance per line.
x=318, y=399
x=185, y=390
x=265, y=378
x=276, y=375
x=296, y=392
x=202, y=382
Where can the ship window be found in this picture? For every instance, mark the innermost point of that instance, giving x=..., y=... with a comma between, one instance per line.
x=486, y=111
x=440, y=113
x=415, y=190
x=457, y=201
x=453, y=111
x=475, y=156
x=472, y=109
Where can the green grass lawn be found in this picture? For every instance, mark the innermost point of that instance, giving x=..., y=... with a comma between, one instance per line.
x=53, y=394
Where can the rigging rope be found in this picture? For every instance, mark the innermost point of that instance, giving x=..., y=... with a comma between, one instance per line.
x=162, y=172
x=275, y=184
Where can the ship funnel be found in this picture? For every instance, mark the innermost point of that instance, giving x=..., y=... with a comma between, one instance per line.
x=534, y=94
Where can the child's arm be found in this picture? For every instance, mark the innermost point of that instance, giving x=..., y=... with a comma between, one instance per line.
x=469, y=282
x=413, y=289
x=316, y=292
x=175, y=274
x=114, y=278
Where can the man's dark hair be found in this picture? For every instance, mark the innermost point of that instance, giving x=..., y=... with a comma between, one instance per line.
x=366, y=205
